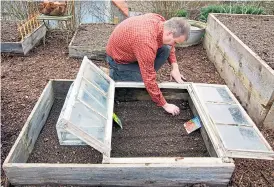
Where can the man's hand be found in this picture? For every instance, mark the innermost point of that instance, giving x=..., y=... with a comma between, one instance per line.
x=175, y=73
x=172, y=109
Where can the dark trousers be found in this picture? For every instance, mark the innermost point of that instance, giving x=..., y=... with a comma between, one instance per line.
x=131, y=72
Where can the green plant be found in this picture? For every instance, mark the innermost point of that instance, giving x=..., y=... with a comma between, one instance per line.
x=229, y=9
x=182, y=13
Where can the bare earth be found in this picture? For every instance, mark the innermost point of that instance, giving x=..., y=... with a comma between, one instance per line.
x=257, y=32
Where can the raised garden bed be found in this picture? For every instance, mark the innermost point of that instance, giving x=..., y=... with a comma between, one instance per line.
x=242, y=52
x=139, y=137
x=90, y=40
x=10, y=39
x=155, y=171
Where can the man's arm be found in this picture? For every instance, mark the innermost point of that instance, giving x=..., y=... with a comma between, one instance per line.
x=175, y=72
x=145, y=54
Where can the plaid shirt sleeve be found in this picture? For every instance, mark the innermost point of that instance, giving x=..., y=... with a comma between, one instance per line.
x=145, y=52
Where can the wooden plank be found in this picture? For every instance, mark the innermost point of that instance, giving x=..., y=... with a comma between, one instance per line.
x=59, y=18
x=25, y=142
x=269, y=120
x=248, y=100
x=245, y=72
x=140, y=94
x=12, y=47
x=135, y=91
x=31, y=40
x=166, y=160
x=91, y=53
x=61, y=87
x=108, y=127
x=204, y=134
x=250, y=154
x=120, y=174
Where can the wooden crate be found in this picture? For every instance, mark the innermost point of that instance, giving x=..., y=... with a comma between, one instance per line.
x=28, y=43
x=247, y=75
x=113, y=171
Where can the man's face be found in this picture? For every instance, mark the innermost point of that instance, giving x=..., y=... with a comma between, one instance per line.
x=168, y=38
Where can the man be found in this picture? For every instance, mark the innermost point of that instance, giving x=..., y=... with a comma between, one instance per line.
x=140, y=45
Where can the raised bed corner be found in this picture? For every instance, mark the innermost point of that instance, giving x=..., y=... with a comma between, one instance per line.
x=24, y=46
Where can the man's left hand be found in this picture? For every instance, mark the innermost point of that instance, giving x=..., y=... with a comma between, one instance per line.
x=175, y=73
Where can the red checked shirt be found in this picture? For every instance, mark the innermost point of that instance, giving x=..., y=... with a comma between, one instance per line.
x=138, y=39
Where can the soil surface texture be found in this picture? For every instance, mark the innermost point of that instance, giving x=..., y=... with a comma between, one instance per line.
x=48, y=150
x=149, y=132
x=9, y=31
x=257, y=32
x=87, y=35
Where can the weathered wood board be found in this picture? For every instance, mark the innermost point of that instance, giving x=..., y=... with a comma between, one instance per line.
x=245, y=73
x=27, y=44
x=81, y=51
x=120, y=174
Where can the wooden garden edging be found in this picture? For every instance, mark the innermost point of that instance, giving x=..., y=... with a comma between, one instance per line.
x=245, y=73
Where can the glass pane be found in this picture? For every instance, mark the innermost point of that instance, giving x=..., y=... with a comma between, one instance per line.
x=226, y=114
x=216, y=94
x=93, y=98
x=239, y=137
x=67, y=136
x=88, y=121
x=96, y=79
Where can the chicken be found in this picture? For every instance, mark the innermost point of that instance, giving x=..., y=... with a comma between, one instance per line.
x=53, y=8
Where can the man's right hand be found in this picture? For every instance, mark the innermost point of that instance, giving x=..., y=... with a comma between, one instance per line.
x=172, y=109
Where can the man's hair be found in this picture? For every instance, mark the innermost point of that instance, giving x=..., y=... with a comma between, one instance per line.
x=179, y=26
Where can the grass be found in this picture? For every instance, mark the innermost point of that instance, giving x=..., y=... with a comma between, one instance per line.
x=229, y=9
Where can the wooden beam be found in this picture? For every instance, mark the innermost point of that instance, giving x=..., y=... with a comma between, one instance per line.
x=120, y=174
x=11, y=47
x=31, y=40
x=140, y=94
x=166, y=160
x=24, y=144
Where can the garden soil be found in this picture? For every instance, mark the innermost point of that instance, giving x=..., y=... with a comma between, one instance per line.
x=82, y=38
x=9, y=32
x=149, y=132
x=24, y=78
x=257, y=32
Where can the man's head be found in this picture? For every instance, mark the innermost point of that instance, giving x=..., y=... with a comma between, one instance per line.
x=176, y=30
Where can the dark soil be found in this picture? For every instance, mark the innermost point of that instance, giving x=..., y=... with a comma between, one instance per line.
x=24, y=78
x=9, y=31
x=96, y=41
x=149, y=132
x=194, y=65
x=257, y=32
x=48, y=150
